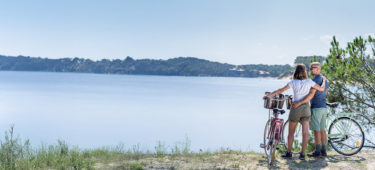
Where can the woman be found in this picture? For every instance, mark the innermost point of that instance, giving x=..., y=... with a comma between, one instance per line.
x=301, y=86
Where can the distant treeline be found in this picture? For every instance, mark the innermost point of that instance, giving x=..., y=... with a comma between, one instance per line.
x=181, y=66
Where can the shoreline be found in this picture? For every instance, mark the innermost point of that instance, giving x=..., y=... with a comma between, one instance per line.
x=276, y=78
x=92, y=73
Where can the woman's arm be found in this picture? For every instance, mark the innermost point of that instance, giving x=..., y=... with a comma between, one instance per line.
x=278, y=91
x=321, y=88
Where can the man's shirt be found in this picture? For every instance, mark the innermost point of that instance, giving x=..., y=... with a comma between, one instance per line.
x=319, y=100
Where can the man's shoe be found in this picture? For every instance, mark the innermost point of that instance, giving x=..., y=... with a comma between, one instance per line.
x=315, y=154
x=324, y=153
x=287, y=155
x=301, y=156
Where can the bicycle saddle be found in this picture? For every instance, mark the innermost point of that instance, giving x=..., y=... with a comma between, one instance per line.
x=279, y=111
x=333, y=105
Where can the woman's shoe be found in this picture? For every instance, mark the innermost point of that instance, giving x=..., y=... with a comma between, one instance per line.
x=301, y=156
x=287, y=155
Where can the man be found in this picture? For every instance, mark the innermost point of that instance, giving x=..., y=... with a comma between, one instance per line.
x=318, y=113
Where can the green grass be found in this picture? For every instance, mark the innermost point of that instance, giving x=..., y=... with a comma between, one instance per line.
x=16, y=153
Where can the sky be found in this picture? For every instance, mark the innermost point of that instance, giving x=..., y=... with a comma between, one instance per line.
x=228, y=31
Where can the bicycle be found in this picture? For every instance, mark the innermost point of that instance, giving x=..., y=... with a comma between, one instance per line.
x=272, y=134
x=344, y=135
x=274, y=125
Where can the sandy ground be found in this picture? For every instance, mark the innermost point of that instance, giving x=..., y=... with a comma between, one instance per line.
x=363, y=160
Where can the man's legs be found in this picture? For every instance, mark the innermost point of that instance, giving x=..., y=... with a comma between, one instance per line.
x=317, y=137
x=323, y=135
x=315, y=125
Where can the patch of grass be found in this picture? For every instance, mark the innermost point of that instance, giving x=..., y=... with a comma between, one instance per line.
x=160, y=149
x=182, y=147
x=16, y=154
x=132, y=166
x=237, y=166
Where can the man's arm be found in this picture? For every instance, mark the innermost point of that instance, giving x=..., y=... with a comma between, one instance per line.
x=306, y=99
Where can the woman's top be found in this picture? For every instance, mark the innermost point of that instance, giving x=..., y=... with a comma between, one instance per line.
x=301, y=88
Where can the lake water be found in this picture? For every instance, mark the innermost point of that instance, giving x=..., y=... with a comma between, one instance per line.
x=95, y=110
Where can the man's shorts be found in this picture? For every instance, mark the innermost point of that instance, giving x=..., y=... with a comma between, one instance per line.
x=300, y=114
x=318, y=118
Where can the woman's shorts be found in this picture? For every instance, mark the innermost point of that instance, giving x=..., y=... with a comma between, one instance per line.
x=300, y=114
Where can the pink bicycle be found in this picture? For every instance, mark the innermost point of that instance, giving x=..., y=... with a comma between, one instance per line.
x=272, y=134
x=274, y=127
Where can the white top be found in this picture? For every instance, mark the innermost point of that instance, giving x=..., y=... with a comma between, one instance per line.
x=301, y=88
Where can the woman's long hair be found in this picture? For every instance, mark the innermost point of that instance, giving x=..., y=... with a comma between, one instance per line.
x=300, y=73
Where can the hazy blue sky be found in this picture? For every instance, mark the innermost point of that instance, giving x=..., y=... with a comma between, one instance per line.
x=232, y=31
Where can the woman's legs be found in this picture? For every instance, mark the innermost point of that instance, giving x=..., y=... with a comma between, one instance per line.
x=305, y=135
x=292, y=129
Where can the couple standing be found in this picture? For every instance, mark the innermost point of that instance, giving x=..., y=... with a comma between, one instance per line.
x=304, y=90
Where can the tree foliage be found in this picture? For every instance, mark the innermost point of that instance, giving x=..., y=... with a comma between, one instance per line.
x=352, y=80
x=352, y=75
x=308, y=59
x=181, y=66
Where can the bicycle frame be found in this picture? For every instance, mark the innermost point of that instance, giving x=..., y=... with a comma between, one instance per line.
x=276, y=127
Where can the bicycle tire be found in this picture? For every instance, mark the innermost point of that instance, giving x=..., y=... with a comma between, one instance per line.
x=265, y=141
x=333, y=143
x=271, y=156
x=270, y=150
x=273, y=150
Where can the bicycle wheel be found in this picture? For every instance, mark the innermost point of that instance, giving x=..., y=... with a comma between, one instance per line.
x=296, y=147
x=266, y=141
x=270, y=144
x=273, y=151
x=346, y=136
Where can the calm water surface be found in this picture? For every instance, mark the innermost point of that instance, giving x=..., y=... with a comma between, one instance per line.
x=95, y=110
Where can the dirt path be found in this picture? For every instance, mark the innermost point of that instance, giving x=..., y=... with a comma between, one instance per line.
x=363, y=160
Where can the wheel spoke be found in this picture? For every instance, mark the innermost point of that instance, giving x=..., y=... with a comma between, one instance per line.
x=346, y=136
